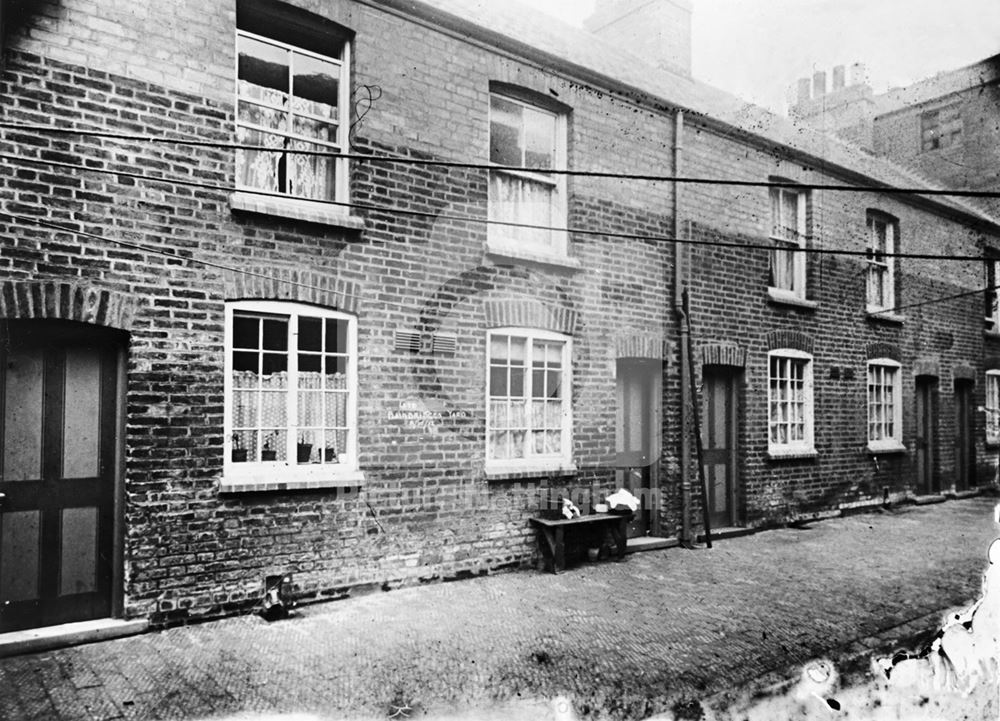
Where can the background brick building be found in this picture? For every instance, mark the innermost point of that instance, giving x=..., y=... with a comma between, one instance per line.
x=335, y=367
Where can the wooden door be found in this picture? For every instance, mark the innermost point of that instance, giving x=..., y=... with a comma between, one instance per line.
x=926, y=402
x=964, y=441
x=718, y=432
x=638, y=438
x=58, y=461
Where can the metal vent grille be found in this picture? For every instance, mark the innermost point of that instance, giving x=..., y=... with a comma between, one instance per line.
x=406, y=340
x=413, y=342
x=445, y=342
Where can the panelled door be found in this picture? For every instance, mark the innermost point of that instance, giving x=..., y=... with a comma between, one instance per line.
x=719, y=419
x=964, y=441
x=926, y=401
x=638, y=447
x=58, y=450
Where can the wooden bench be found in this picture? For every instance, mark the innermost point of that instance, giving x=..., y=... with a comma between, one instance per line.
x=552, y=534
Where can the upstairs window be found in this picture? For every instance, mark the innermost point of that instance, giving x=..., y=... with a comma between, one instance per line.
x=788, y=233
x=528, y=394
x=882, y=235
x=941, y=128
x=528, y=140
x=885, y=414
x=992, y=294
x=291, y=391
x=292, y=92
x=790, y=402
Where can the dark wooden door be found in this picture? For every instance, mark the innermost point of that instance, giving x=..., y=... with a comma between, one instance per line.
x=638, y=438
x=718, y=432
x=58, y=394
x=964, y=443
x=926, y=457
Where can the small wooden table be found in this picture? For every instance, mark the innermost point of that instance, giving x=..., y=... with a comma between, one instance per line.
x=552, y=533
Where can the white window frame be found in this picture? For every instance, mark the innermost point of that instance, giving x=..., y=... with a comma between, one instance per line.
x=782, y=239
x=881, y=261
x=992, y=296
x=892, y=442
x=806, y=445
x=532, y=461
x=342, y=169
x=992, y=407
x=502, y=239
x=252, y=474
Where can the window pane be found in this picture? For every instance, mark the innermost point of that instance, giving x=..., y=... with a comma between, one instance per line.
x=498, y=348
x=310, y=333
x=540, y=135
x=505, y=132
x=310, y=408
x=517, y=351
x=244, y=362
x=336, y=336
x=310, y=176
x=309, y=363
x=538, y=384
x=517, y=383
x=498, y=381
x=244, y=409
x=554, y=384
x=275, y=334
x=274, y=364
x=335, y=410
x=259, y=169
x=790, y=214
x=246, y=330
x=261, y=66
x=274, y=409
x=316, y=86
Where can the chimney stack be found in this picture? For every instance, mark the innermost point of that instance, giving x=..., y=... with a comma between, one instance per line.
x=804, y=90
x=656, y=30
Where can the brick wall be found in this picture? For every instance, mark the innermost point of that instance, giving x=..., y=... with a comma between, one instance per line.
x=426, y=510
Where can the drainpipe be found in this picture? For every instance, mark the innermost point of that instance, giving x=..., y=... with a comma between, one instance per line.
x=683, y=332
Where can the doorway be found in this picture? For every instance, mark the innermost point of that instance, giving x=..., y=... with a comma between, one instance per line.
x=720, y=418
x=59, y=463
x=638, y=439
x=926, y=456
x=965, y=450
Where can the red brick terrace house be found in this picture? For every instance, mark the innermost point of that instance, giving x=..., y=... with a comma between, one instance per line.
x=236, y=346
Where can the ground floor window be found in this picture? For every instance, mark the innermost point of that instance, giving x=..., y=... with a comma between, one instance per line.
x=993, y=406
x=790, y=402
x=528, y=388
x=885, y=428
x=291, y=388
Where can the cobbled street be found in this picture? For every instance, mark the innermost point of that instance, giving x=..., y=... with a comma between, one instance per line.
x=618, y=640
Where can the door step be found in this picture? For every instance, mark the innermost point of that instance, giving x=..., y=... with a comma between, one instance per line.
x=649, y=543
x=68, y=634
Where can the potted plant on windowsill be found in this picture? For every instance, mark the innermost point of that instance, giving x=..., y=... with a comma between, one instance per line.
x=268, y=453
x=239, y=453
x=303, y=450
x=330, y=454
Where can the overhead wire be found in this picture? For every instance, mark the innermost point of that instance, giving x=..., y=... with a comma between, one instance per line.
x=409, y=160
x=437, y=215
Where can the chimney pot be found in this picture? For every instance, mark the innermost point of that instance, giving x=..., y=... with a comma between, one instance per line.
x=804, y=90
x=838, y=78
x=819, y=83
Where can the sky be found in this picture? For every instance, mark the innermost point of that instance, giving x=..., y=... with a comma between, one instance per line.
x=756, y=49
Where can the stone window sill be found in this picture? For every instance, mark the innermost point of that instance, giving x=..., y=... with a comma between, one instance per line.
x=506, y=254
x=261, y=482
x=295, y=208
x=783, y=454
x=882, y=316
x=878, y=449
x=779, y=296
x=496, y=472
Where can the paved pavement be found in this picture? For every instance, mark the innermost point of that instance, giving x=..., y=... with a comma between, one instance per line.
x=618, y=640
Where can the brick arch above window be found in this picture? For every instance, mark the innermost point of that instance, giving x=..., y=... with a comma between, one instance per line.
x=724, y=354
x=641, y=345
x=789, y=339
x=880, y=349
x=524, y=313
x=927, y=367
x=84, y=302
x=963, y=372
x=304, y=286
